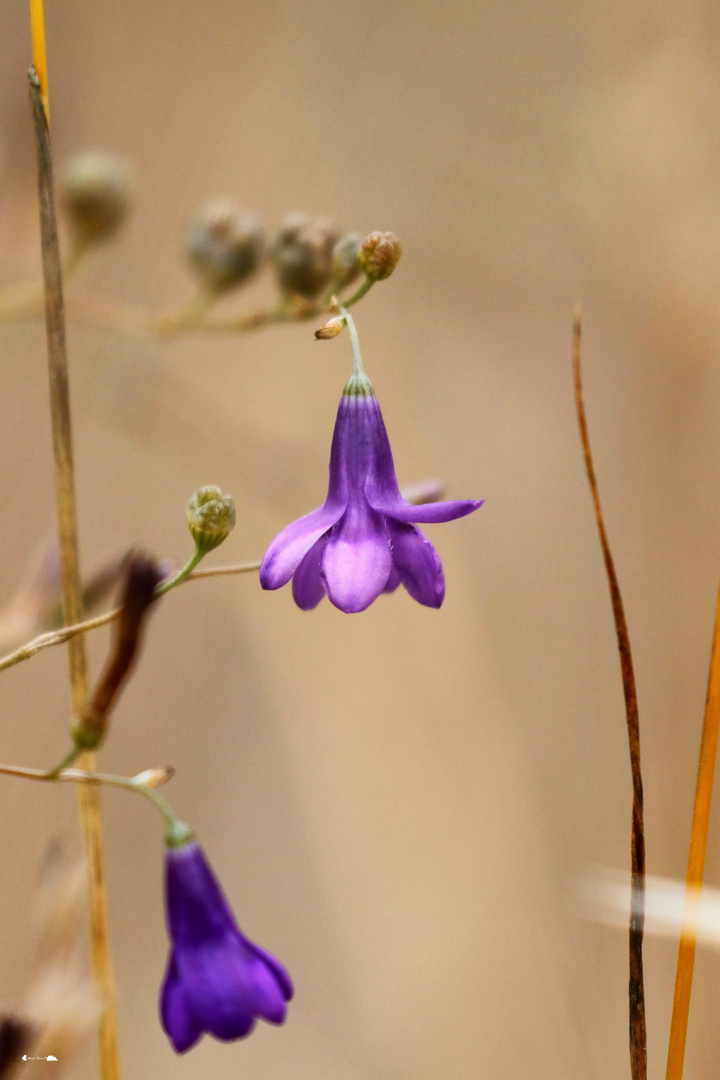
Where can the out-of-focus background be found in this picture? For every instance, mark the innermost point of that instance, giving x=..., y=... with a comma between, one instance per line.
x=398, y=803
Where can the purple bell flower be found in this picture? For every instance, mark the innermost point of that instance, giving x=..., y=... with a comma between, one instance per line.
x=364, y=540
x=216, y=979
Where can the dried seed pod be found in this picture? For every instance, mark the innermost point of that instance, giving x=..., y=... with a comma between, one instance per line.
x=345, y=260
x=224, y=244
x=96, y=194
x=301, y=253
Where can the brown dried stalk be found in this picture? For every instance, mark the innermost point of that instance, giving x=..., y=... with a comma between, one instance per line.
x=89, y=803
x=636, y=988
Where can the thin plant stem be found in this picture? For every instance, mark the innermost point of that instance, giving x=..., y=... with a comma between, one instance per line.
x=636, y=985
x=696, y=862
x=362, y=291
x=89, y=805
x=65, y=633
x=82, y=776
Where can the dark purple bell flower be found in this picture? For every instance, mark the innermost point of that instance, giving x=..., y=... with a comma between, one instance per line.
x=216, y=979
x=364, y=540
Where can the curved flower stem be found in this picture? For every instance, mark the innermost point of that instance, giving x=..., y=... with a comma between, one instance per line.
x=58, y=637
x=636, y=987
x=182, y=575
x=354, y=342
x=362, y=291
x=81, y=776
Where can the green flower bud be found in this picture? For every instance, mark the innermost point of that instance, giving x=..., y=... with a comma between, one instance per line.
x=379, y=255
x=211, y=517
x=96, y=194
x=345, y=262
x=224, y=243
x=301, y=254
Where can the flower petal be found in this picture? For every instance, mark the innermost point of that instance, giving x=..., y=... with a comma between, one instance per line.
x=356, y=564
x=177, y=1018
x=280, y=974
x=426, y=513
x=381, y=486
x=417, y=563
x=307, y=587
x=197, y=911
x=219, y=987
x=269, y=998
x=289, y=548
x=393, y=581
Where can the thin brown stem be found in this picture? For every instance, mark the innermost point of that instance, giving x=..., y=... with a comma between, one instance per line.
x=696, y=862
x=89, y=804
x=636, y=988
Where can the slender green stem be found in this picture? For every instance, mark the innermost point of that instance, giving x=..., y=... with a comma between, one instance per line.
x=182, y=575
x=81, y=776
x=358, y=369
x=362, y=291
x=58, y=637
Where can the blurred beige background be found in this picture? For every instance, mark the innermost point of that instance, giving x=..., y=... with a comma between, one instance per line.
x=397, y=803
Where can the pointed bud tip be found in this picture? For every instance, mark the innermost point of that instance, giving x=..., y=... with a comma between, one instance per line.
x=330, y=329
x=153, y=778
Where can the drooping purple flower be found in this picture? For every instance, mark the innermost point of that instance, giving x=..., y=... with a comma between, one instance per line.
x=364, y=540
x=217, y=980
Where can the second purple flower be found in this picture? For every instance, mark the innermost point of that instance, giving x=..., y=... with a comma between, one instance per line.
x=363, y=541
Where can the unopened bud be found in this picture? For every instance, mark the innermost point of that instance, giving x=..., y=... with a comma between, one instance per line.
x=331, y=328
x=301, y=254
x=379, y=255
x=224, y=243
x=211, y=517
x=345, y=260
x=96, y=194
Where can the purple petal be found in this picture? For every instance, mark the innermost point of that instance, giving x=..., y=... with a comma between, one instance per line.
x=197, y=910
x=356, y=564
x=428, y=513
x=307, y=587
x=218, y=984
x=417, y=563
x=393, y=581
x=381, y=486
x=281, y=976
x=269, y=998
x=289, y=548
x=179, y=1024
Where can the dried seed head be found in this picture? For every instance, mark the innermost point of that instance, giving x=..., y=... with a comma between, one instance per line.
x=301, y=253
x=96, y=194
x=224, y=243
x=379, y=255
x=211, y=517
x=155, y=777
x=331, y=328
x=345, y=261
